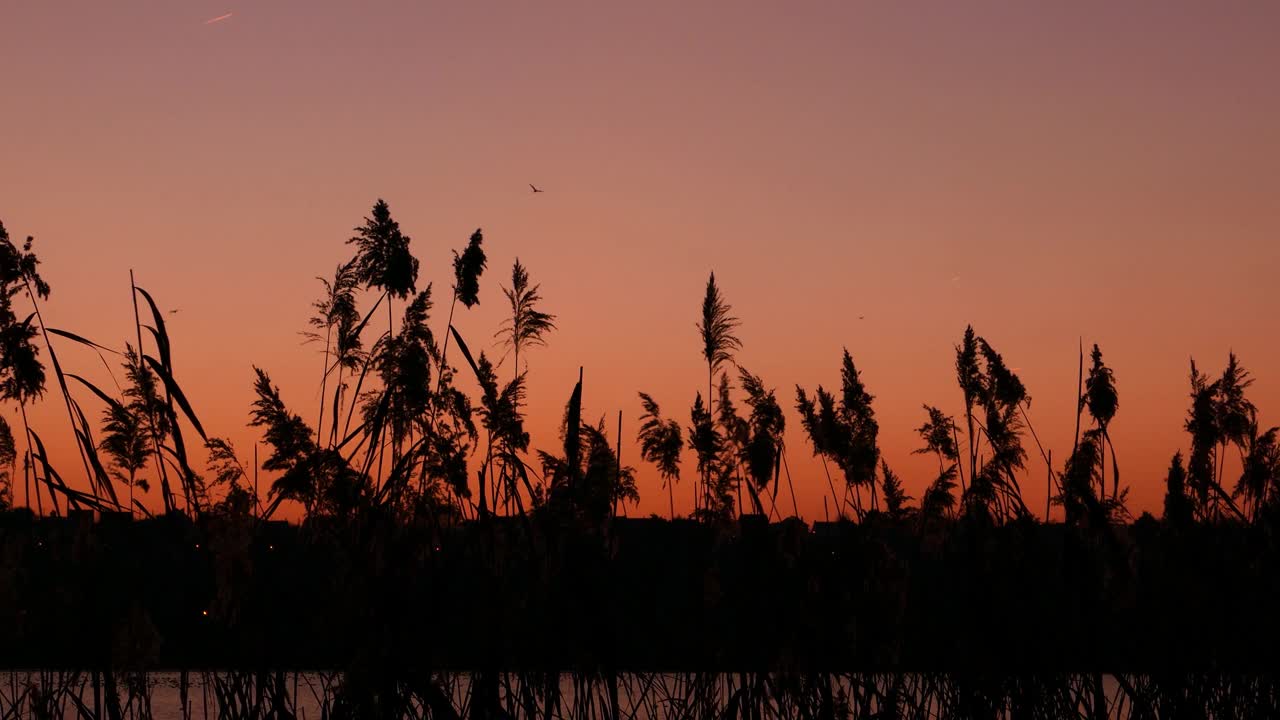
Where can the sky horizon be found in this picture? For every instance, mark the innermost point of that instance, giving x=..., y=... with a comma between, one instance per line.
x=865, y=176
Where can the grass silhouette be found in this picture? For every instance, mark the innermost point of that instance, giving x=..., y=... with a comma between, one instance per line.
x=431, y=536
x=416, y=435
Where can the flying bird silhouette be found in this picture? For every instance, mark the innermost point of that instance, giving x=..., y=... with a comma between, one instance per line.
x=535, y=188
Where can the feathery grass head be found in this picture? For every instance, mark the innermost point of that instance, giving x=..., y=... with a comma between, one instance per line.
x=348, y=347
x=22, y=374
x=467, y=269
x=717, y=328
x=857, y=420
x=1203, y=425
x=1259, y=482
x=938, y=434
x=286, y=433
x=602, y=483
x=855, y=402
x=1100, y=394
x=717, y=495
x=703, y=437
x=223, y=462
x=404, y=364
x=1001, y=386
x=126, y=442
x=1078, y=497
x=661, y=441
x=142, y=395
x=1000, y=395
x=499, y=409
x=809, y=421
x=1220, y=414
x=527, y=325
x=846, y=431
x=968, y=374
x=1202, y=420
x=855, y=399
x=447, y=462
x=1235, y=412
x=764, y=446
x=383, y=259
x=895, y=497
x=229, y=473
x=588, y=479
x=337, y=306
x=939, y=498
x=17, y=267
x=320, y=478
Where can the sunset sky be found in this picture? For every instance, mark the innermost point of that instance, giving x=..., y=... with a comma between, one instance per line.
x=864, y=175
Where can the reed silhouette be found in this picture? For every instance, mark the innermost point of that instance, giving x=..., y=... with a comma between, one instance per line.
x=939, y=436
x=844, y=432
x=337, y=315
x=416, y=437
x=719, y=343
x=433, y=534
x=661, y=442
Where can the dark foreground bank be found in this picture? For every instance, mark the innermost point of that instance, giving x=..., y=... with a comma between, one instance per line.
x=636, y=595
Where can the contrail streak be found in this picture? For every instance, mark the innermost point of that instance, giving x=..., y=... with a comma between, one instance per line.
x=220, y=18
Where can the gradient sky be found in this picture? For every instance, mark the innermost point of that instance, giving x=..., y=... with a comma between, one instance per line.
x=1047, y=172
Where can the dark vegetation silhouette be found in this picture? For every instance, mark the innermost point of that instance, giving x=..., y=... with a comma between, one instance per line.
x=844, y=432
x=638, y=695
x=397, y=429
x=435, y=533
x=661, y=442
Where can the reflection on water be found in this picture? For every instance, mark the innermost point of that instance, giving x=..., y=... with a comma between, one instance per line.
x=321, y=695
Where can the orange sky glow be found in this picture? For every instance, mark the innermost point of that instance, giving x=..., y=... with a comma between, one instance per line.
x=865, y=175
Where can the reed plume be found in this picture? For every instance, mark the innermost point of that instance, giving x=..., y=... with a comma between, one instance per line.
x=661, y=442
x=527, y=326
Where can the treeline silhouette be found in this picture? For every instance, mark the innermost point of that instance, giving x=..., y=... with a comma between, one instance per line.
x=432, y=538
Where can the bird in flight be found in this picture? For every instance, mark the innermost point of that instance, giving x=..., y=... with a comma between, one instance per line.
x=218, y=19
x=535, y=188
x=178, y=310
